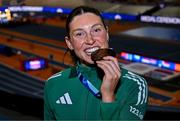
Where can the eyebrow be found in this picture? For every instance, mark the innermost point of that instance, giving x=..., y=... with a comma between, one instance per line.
x=79, y=29
x=96, y=25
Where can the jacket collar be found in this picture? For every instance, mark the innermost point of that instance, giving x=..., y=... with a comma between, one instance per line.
x=82, y=68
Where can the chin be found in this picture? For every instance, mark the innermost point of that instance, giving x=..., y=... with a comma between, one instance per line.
x=88, y=61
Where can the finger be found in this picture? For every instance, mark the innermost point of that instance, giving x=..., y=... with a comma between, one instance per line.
x=110, y=69
x=115, y=61
x=104, y=67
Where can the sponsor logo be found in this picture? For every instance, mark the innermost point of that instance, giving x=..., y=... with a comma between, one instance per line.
x=65, y=99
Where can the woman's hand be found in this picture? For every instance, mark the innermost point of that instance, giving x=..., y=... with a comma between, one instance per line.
x=111, y=69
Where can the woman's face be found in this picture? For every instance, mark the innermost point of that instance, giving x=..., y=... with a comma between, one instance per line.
x=87, y=34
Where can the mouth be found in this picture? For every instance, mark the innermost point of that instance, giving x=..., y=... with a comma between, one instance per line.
x=88, y=51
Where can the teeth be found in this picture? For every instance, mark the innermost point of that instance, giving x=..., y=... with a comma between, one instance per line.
x=92, y=49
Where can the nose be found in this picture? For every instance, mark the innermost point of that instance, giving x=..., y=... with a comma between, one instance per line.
x=90, y=40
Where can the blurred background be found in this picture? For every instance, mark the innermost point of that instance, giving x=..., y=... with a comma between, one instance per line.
x=144, y=33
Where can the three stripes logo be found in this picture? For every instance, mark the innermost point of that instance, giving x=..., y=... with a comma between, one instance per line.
x=65, y=99
x=142, y=84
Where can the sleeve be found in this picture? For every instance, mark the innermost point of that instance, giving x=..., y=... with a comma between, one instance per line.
x=109, y=111
x=131, y=107
x=48, y=114
x=135, y=106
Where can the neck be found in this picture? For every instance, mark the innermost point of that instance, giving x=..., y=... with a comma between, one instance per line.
x=85, y=64
x=100, y=72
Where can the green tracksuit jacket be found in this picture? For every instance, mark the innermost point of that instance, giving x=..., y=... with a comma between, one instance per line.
x=66, y=98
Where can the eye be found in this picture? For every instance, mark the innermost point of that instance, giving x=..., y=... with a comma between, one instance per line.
x=98, y=29
x=79, y=34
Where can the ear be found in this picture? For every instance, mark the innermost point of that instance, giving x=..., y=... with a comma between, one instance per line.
x=68, y=43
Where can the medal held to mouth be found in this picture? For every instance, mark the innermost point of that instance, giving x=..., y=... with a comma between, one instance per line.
x=100, y=53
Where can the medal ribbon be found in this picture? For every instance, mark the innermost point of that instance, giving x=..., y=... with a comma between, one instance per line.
x=88, y=84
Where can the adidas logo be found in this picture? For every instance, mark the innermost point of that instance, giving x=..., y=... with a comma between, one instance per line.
x=65, y=99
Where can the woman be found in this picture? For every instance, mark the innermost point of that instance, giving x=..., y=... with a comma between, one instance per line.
x=79, y=93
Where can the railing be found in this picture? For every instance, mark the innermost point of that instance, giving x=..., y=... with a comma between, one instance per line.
x=16, y=82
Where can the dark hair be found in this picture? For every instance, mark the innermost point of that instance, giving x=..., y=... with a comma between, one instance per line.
x=81, y=10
